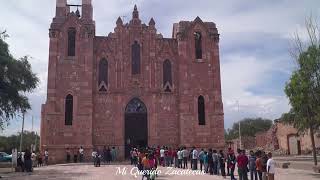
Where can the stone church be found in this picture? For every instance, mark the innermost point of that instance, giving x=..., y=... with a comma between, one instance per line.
x=133, y=87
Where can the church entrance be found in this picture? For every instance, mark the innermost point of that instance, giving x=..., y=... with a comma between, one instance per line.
x=136, y=125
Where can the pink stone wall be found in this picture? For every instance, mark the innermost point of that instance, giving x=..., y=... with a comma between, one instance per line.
x=98, y=117
x=277, y=138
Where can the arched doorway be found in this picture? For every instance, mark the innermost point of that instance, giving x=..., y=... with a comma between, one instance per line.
x=136, y=125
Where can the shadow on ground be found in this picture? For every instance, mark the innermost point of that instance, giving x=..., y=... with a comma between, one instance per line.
x=315, y=175
x=45, y=173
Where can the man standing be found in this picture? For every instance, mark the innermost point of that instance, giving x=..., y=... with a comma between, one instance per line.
x=75, y=155
x=81, y=152
x=222, y=163
x=190, y=157
x=201, y=158
x=271, y=167
x=175, y=157
x=170, y=156
x=162, y=156
x=264, y=165
x=180, y=157
x=34, y=159
x=242, y=160
x=108, y=155
x=195, y=159
x=94, y=157
x=27, y=160
x=185, y=155
x=113, y=154
x=210, y=161
x=20, y=163
x=46, y=157
x=232, y=164
x=205, y=162
x=215, y=162
x=166, y=156
x=228, y=163
x=146, y=166
x=259, y=165
x=252, y=166
x=68, y=153
x=104, y=154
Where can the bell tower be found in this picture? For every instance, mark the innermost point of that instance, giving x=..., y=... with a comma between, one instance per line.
x=70, y=80
x=87, y=10
x=61, y=8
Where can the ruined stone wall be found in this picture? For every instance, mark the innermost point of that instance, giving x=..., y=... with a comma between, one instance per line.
x=283, y=131
x=276, y=138
x=306, y=145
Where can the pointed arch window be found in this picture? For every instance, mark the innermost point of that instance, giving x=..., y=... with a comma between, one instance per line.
x=135, y=53
x=198, y=45
x=201, y=111
x=71, y=41
x=69, y=110
x=167, y=76
x=103, y=75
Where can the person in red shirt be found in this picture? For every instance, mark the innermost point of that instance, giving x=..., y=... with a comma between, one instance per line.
x=175, y=157
x=259, y=165
x=166, y=156
x=152, y=162
x=157, y=155
x=170, y=157
x=242, y=161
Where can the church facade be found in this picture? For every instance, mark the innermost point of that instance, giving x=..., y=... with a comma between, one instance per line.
x=132, y=87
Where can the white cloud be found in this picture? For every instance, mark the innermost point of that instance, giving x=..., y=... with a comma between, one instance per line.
x=240, y=74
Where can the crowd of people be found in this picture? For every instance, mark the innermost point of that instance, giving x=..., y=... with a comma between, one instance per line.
x=259, y=164
x=78, y=155
x=27, y=160
x=106, y=154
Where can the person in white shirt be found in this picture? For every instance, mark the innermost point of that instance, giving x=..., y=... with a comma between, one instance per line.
x=180, y=157
x=135, y=157
x=195, y=159
x=94, y=156
x=185, y=155
x=162, y=156
x=34, y=159
x=81, y=152
x=271, y=167
x=46, y=157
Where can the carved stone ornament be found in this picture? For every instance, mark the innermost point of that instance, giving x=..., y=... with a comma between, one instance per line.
x=53, y=33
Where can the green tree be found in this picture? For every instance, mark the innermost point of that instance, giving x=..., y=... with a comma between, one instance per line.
x=7, y=143
x=249, y=127
x=303, y=88
x=16, y=78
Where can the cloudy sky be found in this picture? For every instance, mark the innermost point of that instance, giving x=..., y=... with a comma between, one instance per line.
x=255, y=40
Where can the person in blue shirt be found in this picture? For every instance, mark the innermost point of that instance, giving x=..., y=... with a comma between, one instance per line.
x=252, y=166
x=205, y=161
x=201, y=158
